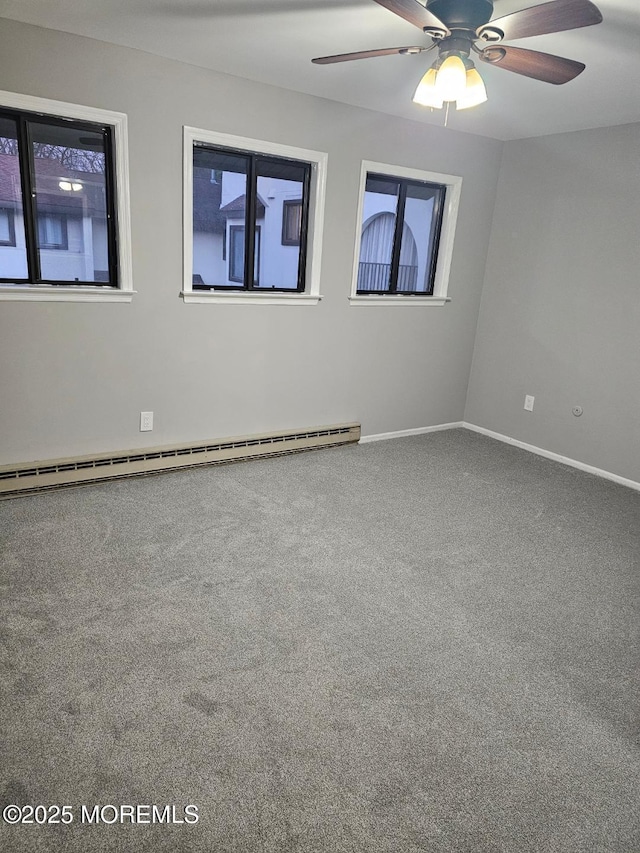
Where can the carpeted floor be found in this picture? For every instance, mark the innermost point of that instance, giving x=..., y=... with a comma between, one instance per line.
x=427, y=644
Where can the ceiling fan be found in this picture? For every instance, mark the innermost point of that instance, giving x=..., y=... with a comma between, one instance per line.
x=459, y=28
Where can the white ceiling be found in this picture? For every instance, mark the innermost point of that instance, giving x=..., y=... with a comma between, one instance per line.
x=274, y=41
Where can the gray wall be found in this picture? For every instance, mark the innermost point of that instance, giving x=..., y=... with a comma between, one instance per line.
x=560, y=312
x=74, y=377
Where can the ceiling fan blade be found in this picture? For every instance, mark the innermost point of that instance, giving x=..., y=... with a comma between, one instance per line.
x=532, y=63
x=367, y=54
x=415, y=13
x=551, y=17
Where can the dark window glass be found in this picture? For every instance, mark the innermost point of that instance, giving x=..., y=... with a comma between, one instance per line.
x=237, y=254
x=219, y=201
x=379, y=228
x=52, y=231
x=422, y=218
x=234, y=191
x=401, y=225
x=13, y=251
x=291, y=222
x=7, y=227
x=71, y=201
x=68, y=225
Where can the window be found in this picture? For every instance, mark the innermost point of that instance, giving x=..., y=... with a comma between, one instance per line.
x=405, y=236
x=52, y=231
x=237, y=255
x=63, y=225
x=238, y=192
x=396, y=212
x=291, y=222
x=7, y=227
x=253, y=216
x=58, y=172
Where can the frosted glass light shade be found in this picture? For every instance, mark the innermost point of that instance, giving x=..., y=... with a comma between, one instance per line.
x=451, y=79
x=475, y=92
x=426, y=94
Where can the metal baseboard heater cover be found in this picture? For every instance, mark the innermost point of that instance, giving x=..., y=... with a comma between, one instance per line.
x=55, y=473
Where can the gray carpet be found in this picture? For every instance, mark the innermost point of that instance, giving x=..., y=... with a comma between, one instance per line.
x=427, y=644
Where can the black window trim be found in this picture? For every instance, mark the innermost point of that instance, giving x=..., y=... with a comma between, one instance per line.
x=253, y=159
x=434, y=235
x=23, y=118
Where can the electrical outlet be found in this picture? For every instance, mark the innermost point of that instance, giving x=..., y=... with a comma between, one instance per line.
x=146, y=421
x=528, y=402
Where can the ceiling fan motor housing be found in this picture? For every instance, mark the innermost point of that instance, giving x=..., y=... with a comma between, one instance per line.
x=462, y=14
x=457, y=44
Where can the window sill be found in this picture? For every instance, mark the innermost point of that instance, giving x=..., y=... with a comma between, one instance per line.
x=236, y=298
x=432, y=301
x=17, y=293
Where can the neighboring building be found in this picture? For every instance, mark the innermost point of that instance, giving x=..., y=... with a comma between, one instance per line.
x=376, y=246
x=71, y=222
x=219, y=230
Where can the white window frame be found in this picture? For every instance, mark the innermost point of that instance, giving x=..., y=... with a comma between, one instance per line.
x=453, y=183
x=59, y=293
x=317, y=190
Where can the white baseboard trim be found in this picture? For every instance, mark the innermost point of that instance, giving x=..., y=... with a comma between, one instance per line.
x=403, y=433
x=531, y=448
x=556, y=457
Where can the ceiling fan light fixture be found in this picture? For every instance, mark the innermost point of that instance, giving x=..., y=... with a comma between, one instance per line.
x=426, y=94
x=456, y=26
x=475, y=92
x=451, y=78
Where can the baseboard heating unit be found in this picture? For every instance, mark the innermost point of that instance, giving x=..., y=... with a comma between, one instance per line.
x=55, y=473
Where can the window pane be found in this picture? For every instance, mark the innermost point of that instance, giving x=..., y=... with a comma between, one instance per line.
x=418, y=239
x=52, y=231
x=219, y=203
x=257, y=250
x=13, y=254
x=291, y=223
x=228, y=186
x=6, y=222
x=282, y=169
x=280, y=187
x=237, y=254
x=71, y=202
x=378, y=227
